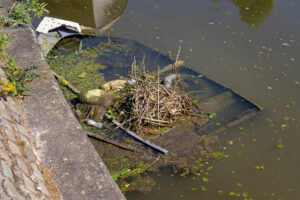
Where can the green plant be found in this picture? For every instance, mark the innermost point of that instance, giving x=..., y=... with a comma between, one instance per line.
x=212, y=115
x=19, y=76
x=4, y=40
x=7, y=88
x=23, y=11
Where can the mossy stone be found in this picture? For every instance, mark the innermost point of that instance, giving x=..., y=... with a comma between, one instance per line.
x=96, y=97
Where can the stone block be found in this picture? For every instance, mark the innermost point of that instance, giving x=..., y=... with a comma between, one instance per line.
x=25, y=141
x=22, y=165
x=13, y=106
x=37, y=173
x=6, y=171
x=5, y=124
x=29, y=184
x=10, y=135
x=22, y=130
x=16, y=117
x=29, y=154
x=33, y=197
x=41, y=187
x=4, y=156
x=11, y=190
x=14, y=148
x=4, y=114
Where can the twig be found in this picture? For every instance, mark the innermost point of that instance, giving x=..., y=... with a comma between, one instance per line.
x=140, y=171
x=149, y=166
x=109, y=141
x=151, y=104
x=177, y=64
x=196, y=91
x=158, y=93
x=156, y=120
x=179, y=49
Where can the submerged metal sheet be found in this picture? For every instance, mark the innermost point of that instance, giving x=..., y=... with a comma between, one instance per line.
x=229, y=107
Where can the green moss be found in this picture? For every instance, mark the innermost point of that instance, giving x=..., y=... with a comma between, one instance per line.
x=80, y=69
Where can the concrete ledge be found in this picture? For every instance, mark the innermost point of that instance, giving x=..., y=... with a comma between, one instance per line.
x=76, y=167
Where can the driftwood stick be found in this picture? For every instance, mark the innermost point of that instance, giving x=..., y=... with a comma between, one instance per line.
x=156, y=120
x=66, y=83
x=177, y=64
x=109, y=141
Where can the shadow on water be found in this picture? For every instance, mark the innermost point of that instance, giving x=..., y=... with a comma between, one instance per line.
x=117, y=57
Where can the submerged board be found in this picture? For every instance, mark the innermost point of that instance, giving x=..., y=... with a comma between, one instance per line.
x=87, y=63
x=226, y=106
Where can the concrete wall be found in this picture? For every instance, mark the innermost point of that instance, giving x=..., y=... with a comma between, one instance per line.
x=74, y=167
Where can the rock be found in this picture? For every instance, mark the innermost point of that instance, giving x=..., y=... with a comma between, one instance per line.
x=96, y=97
x=6, y=171
x=11, y=190
x=94, y=104
x=14, y=149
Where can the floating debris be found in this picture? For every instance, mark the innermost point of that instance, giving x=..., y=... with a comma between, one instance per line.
x=149, y=104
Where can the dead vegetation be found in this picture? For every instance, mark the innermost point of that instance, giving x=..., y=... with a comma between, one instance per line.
x=147, y=104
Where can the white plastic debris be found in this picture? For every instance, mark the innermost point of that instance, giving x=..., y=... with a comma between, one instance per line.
x=50, y=23
x=131, y=81
x=93, y=123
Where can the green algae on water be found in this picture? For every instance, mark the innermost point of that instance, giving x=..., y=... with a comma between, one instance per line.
x=80, y=69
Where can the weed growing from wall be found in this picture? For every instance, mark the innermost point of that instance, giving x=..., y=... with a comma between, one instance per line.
x=22, y=12
x=18, y=78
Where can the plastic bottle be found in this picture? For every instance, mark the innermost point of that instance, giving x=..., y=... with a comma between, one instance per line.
x=93, y=123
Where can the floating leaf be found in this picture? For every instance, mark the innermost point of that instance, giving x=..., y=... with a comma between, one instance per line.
x=205, y=179
x=232, y=194
x=261, y=167
x=239, y=184
x=209, y=168
x=279, y=144
x=203, y=188
x=245, y=195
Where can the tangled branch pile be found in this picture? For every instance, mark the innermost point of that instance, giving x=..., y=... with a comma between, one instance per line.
x=148, y=104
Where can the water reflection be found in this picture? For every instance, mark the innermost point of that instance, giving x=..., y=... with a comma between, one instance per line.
x=90, y=13
x=254, y=12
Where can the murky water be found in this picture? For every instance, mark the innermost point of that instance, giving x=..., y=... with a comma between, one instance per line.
x=251, y=46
